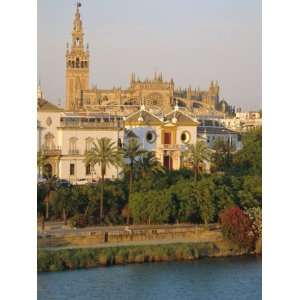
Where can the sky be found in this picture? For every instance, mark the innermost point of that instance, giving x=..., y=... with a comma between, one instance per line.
x=191, y=41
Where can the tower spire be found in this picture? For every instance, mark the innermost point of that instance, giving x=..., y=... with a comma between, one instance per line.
x=77, y=64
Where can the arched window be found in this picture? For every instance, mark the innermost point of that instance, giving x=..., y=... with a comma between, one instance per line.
x=88, y=144
x=77, y=62
x=88, y=169
x=82, y=64
x=72, y=145
x=49, y=141
x=86, y=64
x=73, y=64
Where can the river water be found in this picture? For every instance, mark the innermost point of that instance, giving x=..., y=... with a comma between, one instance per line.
x=235, y=278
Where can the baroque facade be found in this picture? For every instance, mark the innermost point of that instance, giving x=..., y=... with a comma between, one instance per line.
x=155, y=93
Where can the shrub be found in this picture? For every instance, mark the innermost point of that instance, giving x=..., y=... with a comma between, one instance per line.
x=237, y=227
x=256, y=217
x=78, y=221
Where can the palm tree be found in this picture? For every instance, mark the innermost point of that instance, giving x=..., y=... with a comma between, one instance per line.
x=223, y=152
x=196, y=154
x=148, y=164
x=51, y=185
x=132, y=151
x=105, y=154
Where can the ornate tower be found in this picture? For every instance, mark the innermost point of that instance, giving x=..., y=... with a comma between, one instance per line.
x=77, y=66
x=212, y=97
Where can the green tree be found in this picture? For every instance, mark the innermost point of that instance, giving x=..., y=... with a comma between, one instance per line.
x=197, y=154
x=248, y=160
x=223, y=197
x=148, y=164
x=50, y=187
x=184, y=203
x=202, y=193
x=62, y=202
x=132, y=152
x=153, y=207
x=223, y=154
x=105, y=154
x=250, y=194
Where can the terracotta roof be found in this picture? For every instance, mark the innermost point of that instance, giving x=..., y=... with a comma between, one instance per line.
x=181, y=117
x=44, y=105
x=146, y=116
x=130, y=134
x=215, y=130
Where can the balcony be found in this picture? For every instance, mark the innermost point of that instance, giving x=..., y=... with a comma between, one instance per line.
x=91, y=125
x=74, y=152
x=170, y=147
x=51, y=151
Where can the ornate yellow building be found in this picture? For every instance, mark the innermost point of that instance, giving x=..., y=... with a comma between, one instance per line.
x=156, y=93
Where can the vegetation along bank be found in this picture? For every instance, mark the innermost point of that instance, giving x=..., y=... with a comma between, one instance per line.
x=70, y=259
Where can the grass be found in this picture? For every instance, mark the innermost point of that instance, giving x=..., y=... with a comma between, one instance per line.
x=60, y=260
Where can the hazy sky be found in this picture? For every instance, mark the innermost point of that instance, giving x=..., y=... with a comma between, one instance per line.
x=191, y=41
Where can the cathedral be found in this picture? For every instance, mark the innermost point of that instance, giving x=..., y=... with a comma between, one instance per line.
x=157, y=94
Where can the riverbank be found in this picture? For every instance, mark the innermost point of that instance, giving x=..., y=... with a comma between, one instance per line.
x=77, y=258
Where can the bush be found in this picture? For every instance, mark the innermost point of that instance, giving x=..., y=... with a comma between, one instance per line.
x=237, y=227
x=78, y=220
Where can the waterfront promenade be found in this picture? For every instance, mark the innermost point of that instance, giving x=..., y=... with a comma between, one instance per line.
x=56, y=236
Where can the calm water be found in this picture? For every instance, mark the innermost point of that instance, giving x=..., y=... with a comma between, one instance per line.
x=207, y=279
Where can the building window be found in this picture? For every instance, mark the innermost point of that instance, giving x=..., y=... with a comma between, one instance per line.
x=88, y=169
x=119, y=143
x=49, y=141
x=88, y=144
x=185, y=137
x=151, y=137
x=72, y=169
x=72, y=145
x=167, y=138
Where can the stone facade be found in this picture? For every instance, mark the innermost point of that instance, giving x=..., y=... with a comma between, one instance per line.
x=155, y=93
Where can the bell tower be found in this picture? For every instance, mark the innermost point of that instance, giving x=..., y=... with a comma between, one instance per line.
x=77, y=66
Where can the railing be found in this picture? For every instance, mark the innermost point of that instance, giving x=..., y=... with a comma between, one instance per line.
x=51, y=151
x=170, y=146
x=74, y=151
x=112, y=125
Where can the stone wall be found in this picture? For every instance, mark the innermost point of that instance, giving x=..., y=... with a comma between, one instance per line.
x=90, y=238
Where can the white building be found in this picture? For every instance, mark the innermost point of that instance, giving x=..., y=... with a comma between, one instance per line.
x=167, y=135
x=64, y=138
x=243, y=121
x=210, y=134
